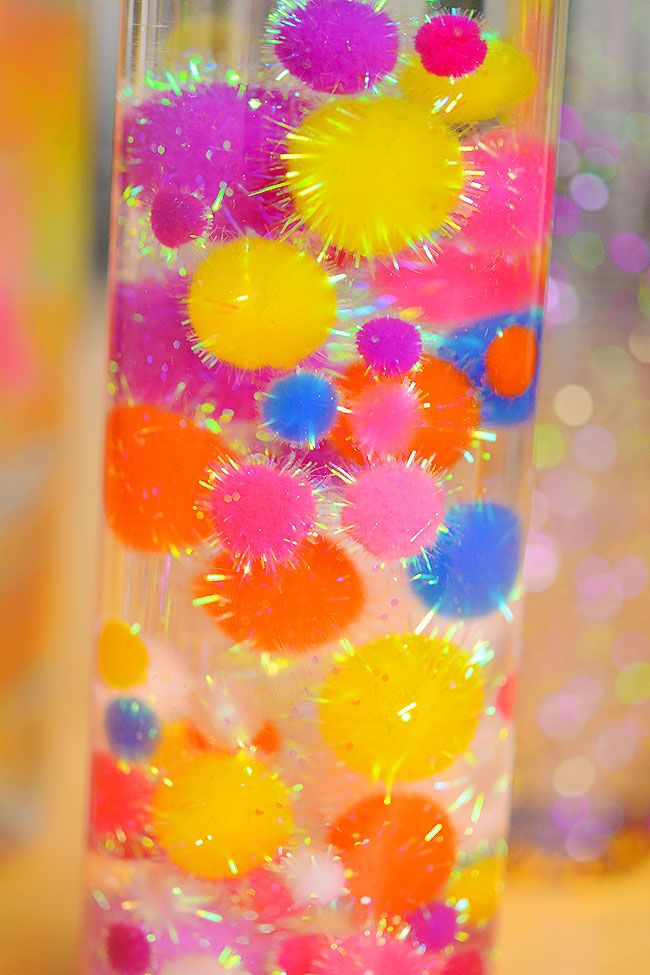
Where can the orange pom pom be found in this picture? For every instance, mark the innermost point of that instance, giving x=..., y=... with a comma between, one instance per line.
x=511, y=361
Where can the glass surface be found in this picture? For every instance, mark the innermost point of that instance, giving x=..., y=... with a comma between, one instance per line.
x=329, y=251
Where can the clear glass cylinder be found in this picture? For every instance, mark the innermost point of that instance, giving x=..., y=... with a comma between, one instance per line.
x=329, y=250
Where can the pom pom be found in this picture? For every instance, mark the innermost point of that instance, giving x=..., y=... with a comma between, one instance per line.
x=398, y=856
x=511, y=361
x=465, y=963
x=506, y=700
x=389, y=346
x=505, y=77
x=298, y=954
x=121, y=800
x=335, y=46
x=132, y=728
x=451, y=45
x=476, y=890
x=315, y=877
x=155, y=462
x=301, y=409
x=128, y=949
x=197, y=964
x=178, y=217
x=123, y=657
x=364, y=191
x=435, y=926
x=370, y=954
x=301, y=605
x=218, y=815
x=393, y=509
x=153, y=357
x=473, y=566
x=217, y=142
x=260, y=512
x=257, y=302
x=402, y=707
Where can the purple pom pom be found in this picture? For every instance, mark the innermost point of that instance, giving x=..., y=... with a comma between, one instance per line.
x=154, y=359
x=389, y=346
x=336, y=46
x=217, y=143
x=451, y=45
x=178, y=216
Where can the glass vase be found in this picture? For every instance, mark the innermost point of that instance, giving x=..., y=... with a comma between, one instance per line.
x=329, y=249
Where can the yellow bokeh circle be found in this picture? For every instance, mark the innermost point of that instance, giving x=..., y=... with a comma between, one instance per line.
x=123, y=658
x=220, y=815
x=402, y=707
x=373, y=176
x=506, y=76
x=256, y=302
x=475, y=890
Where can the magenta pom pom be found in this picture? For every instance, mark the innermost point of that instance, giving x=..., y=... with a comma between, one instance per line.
x=217, y=143
x=128, y=950
x=365, y=953
x=435, y=926
x=152, y=356
x=298, y=954
x=393, y=509
x=178, y=216
x=261, y=512
x=451, y=45
x=390, y=346
x=335, y=46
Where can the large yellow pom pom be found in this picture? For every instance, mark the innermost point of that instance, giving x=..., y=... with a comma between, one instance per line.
x=373, y=177
x=257, y=302
x=505, y=77
x=219, y=815
x=402, y=707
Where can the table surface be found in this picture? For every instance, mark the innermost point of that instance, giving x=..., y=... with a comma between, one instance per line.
x=551, y=925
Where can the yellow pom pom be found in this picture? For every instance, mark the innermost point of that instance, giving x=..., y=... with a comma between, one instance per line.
x=123, y=658
x=373, y=177
x=257, y=302
x=475, y=890
x=221, y=815
x=505, y=77
x=402, y=707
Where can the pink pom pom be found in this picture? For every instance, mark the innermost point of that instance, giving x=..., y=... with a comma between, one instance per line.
x=469, y=963
x=513, y=207
x=451, y=45
x=386, y=418
x=337, y=46
x=365, y=953
x=178, y=216
x=298, y=954
x=393, y=509
x=261, y=512
x=128, y=950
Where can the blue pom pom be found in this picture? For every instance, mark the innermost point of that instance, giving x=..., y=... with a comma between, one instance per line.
x=132, y=728
x=301, y=408
x=467, y=348
x=472, y=568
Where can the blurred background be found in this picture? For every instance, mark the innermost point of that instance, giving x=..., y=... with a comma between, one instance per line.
x=580, y=866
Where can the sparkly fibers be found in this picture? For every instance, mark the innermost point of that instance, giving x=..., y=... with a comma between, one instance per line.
x=178, y=216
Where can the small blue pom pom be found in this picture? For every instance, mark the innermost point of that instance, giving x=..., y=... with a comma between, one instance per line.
x=301, y=408
x=472, y=568
x=132, y=728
